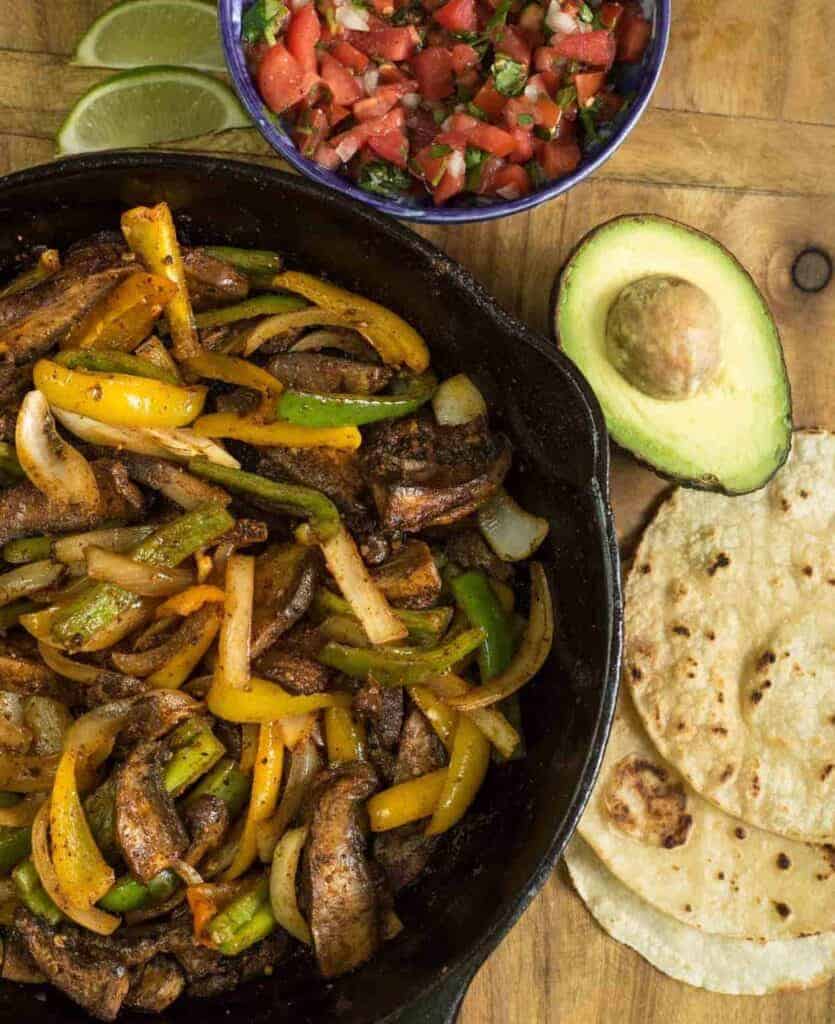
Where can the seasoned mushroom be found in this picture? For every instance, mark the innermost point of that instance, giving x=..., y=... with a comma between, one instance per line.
x=286, y=577
x=97, y=982
x=156, y=714
x=662, y=335
x=337, y=879
x=333, y=471
x=212, y=282
x=155, y=986
x=207, y=820
x=309, y=371
x=175, y=483
x=410, y=578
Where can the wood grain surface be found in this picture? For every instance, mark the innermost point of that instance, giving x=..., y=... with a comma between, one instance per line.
x=740, y=142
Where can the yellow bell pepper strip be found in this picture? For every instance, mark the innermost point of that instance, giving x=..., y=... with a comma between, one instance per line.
x=441, y=717
x=344, y=737
x=477, y=598
x=266, y=783
x=105, y=360
x=495, y=725
x=260, y=305
x=338, y=410
x=49, y=263
x=267, y=701
x=27, y=549
x=33, y=895
x=151, y=234
x=401, y=666
x=283, y=900
x=301, y=501
x=258, y=262
x=532, y=653
x=407, y=802
x=233, y=370
x=249, y=747
x=118, y=399
x=423, y=626
x=467, y=768
x=125, y=315
x=189, y=601
x=9, y=464
x=77, y=622
x=177, y=670
x=305, y=763
x=396, y=341
x=272, y=435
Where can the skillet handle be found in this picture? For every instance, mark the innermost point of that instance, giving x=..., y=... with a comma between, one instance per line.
x=441, y=1004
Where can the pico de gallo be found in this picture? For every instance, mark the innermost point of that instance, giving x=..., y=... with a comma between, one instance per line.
x=490, y=98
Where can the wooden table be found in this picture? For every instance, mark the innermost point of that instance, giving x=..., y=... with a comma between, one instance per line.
x=740, y=142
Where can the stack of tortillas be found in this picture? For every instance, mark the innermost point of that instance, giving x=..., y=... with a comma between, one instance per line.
x=706, y=842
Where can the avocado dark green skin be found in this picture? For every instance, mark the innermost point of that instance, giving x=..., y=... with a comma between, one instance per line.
x=705, y=483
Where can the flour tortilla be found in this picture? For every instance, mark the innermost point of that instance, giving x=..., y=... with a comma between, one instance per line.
x=730, y=650
x=690, y=859
x=731, y=966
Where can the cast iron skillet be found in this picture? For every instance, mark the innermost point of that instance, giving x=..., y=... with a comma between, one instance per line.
x=489, y=870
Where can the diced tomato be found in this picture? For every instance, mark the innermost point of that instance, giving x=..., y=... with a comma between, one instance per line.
x=394, y=120
x=511, y=182
x=350, y=56
x=571, y=7
x=464, y=57
x=462, y=123
x=595, y=48
x=545, y=83
x=280, y=79
x=345, y=88
x=380, y=103
x=391, y=73
x=546, y=113
x=457, y=16
x=455, y=140
x=492, y=139
x=391, y=146
x=559, y=159
x=610, y=14
x=384, y=7
x=432, y=165
x=303, y=34
x=514, y=45
x=523, y=145
x=311, y=129
x=490, y=100
x=386, y=43
x=515, y=108
x=545, y=58
x=327, y=156
x=588, y=85
x=433, y=70
x=450, y=185
x=335, y=113
x=489, y=169
x=633, y=34
x=530, y=20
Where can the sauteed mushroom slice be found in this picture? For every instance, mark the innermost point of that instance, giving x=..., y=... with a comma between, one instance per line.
x=286, y=577
x=212, y=282
x=155, y=986
x=172, y=481
x=310, y=371
x=333, y=471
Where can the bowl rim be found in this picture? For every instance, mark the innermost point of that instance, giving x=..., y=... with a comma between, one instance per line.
x=229, y=13
x=450, y=982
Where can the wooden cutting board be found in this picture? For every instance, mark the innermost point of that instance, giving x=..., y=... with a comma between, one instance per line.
x=740, y=142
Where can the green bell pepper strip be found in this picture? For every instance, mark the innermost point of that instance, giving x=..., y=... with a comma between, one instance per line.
x=15, y=844
x=401, y=666
x=261, y=305
x=260, y=925
x=247, y=261
x=9, y=465
x=8, y=799
x=99, y=604
x=423, y=626
x=238, y=914
x=33, y=894
x=322, y=514
x=101, y=360
x=191, y=761
x=227, y=782
x=27, y=549
x=340, y=410
x=10, y=613
x=477, y=598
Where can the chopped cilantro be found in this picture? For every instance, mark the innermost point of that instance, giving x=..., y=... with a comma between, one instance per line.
x=509, y=76
x=566, y=96
x=499, y=16
x=586, y=14
x=541, y=132
x=261, y=21
x=409, y=14
x=439, y=115
x=384, y=179
x=438, y=150
x=589, y=123
x=524, y=118
x=535, y=173
x=474, y=162
x=476, y=112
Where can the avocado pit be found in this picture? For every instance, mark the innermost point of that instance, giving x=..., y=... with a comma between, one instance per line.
x=662, y=335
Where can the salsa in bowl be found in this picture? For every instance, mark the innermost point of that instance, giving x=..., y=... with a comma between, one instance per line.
x=463, y=110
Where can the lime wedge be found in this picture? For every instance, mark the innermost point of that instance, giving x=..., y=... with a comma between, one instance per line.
x=136, y=33
x=149, y=106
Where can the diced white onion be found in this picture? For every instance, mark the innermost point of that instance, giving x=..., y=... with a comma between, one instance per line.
x=511, y=532
x=456, y=165
x=531, y=92
x=558, y=21
x=508, y=192
x=411, y=101
x=458, y=401
x=346, y=149
x=353, y=18
x=370, y=81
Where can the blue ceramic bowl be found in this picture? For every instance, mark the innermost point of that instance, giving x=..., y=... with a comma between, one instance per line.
x=639, y=79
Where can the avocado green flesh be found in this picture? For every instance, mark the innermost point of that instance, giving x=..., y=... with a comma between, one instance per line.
x=733, y=435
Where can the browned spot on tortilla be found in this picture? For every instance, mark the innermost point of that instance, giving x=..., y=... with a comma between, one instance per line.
x=831, y=582
x=804, y=494
x=765, y=659
x=688, y=908
x=710, y=634
x=783, y=909
x=720, y=875
x=783, y=862
x=719, y=730
x=727, y=772
x=756, y=696
x=720, y=696
x=766, y=684
x=826, y=772
x=721, y=562
x=828, y=851
x=681, y=726
x=681, y=630
x=646, y=568
x=784, y=504
x=755, y=785
x=643, y=800
x=740, y=832
x=808, y=570
x=636, y=673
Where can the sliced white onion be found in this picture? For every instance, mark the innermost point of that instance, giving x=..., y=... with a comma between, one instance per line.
x=118, y=538
x=78, y=671
x=558, y=21
x=370, y=81
x=456, y=165
x=283, y=885
x=180, y=444
x=350, y=344
x=54, y=467
x=233, y=646
x=531, y=92
x=354, y=18
x=138, y=577
x=411, y=101
x=511, y=532
x=28, y=579
x=458, y=401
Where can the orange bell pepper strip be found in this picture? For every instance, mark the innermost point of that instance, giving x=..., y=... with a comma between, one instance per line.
x=406, y=802
x=266, y=782
x=397, y=343
x=151, y=234
x=467, y=769
x=344, y=737
x=125, y=316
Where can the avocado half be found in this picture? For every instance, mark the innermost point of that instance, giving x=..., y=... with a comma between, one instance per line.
x=734, y=434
